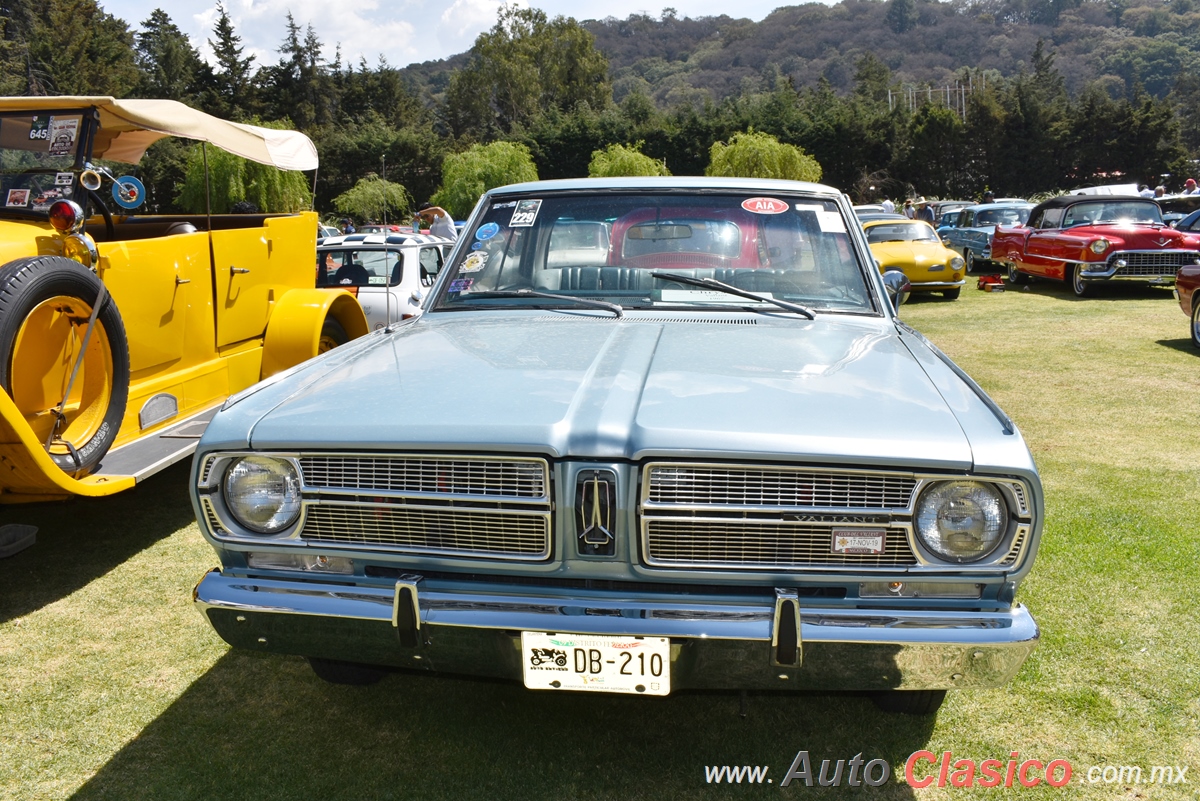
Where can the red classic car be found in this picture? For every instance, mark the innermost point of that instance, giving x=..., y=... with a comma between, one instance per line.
x=1085, y=239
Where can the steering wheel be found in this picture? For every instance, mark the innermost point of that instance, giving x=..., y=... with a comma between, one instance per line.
x=109, y=229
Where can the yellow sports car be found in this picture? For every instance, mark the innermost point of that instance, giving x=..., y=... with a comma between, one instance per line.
x=913, y=247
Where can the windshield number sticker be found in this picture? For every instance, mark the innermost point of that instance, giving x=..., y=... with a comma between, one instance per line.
x=63, y=178
x=40, y=128
x=474, y=263
x=852, y=540
x=764, y=205
x=525, y=213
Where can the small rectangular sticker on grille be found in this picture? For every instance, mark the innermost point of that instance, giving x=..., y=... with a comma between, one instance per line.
x=857, y=540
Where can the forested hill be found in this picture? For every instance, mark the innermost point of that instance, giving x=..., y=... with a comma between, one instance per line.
x=672, y=59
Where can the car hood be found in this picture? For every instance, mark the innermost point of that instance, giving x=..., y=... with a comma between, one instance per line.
x=1140, y=235
x=837, y=389
x=919, y=254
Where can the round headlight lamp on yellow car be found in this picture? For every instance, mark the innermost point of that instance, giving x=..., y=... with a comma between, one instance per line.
x=263, y=493
x=956, y=263
x=961, y=521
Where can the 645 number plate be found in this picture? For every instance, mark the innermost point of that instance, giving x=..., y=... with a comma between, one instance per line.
x=596, y=663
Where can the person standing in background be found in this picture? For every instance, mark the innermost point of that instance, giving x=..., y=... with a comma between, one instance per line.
x=438, y=220
x=924, y=210
x=909, y=211
x=888, y=206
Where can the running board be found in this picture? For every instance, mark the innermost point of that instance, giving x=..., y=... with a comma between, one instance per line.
x=144, y=457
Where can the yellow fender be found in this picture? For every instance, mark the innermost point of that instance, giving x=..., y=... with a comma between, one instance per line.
x=294, y=328
x=30, y=474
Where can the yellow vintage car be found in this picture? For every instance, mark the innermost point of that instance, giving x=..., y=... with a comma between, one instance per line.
x=913, y=247
x=121, y=334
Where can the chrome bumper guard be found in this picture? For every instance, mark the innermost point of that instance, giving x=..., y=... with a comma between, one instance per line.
x=937, y=284
x=734, y=645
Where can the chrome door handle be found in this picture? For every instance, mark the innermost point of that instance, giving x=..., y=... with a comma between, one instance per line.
x=179, y=280
x=238, y=270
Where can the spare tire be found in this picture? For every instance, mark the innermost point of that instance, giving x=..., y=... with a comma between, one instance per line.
x=45, y=305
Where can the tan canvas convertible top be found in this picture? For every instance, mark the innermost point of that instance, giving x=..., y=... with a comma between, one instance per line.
x=128, y=127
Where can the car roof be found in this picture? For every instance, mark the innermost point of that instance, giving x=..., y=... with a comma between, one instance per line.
x=881, y=216
x=999, y=205
x=381, y=240
x=666, y=183
x=1062, y=201
x=890, y=218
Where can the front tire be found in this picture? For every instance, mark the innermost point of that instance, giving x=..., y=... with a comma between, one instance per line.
x=952, y=294
x=1015, y=276
x=1081, y=288
x=332, y=335
x=1196, y=319
x=910, y=702
x=45, y=305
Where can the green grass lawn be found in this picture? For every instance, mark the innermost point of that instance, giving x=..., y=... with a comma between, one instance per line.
x=113, y=687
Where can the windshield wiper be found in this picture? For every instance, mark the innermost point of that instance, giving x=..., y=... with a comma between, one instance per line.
x=720, y=286
x=534, y=293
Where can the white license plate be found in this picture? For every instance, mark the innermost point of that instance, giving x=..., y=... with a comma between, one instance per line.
x=596, y=663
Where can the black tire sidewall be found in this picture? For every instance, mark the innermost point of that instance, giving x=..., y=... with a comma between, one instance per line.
x=1195, y=318
x=25, y=283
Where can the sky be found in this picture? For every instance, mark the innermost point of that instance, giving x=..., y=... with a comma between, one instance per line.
x=403, y=31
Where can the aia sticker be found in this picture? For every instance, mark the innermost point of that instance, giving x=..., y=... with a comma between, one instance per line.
x=764, y=205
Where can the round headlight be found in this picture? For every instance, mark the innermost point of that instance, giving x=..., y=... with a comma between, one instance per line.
x=961, y=521
x=957, y=263
x=263, y=493
x=1100, y=245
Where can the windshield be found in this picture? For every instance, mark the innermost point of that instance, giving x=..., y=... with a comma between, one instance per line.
x=902, y=232
x=38, y=153
x=1016, y=215
x=356, y=267
x=606, y=244
x=1096, y=212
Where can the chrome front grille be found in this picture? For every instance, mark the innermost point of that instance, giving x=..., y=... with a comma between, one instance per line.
x=448, y=531
x=736, y=516
x=752, y=544
x=472, y=506
x=482, y=476
x=741, y=487
x=1153, y=263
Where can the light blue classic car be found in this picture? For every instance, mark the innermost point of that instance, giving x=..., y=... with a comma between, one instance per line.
x=649, y=435
x=971, y=235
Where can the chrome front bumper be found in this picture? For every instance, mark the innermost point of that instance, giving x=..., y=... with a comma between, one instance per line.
x=734, y=645
x=918, y=285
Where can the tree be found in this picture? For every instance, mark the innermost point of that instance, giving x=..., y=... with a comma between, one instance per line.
x=760, y=155
x=524, y=65
x=171, y=68
x=620, y=160
x=902, y=15
x=232, y=93
x=81, y=50
x=467, y=175
x=374, y=198
x=232, y=178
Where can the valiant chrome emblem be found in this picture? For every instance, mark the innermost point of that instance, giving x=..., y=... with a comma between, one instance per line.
x=595, y=509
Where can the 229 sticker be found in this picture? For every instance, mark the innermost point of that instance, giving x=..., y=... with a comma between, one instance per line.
x=525, y=214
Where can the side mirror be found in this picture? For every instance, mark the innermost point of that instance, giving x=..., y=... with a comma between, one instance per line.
x=898, y=287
